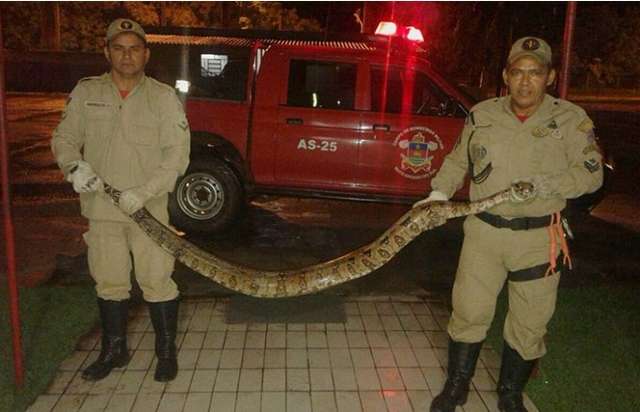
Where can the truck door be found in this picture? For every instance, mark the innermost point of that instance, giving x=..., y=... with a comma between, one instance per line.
x=411, y=126
x=316, y=136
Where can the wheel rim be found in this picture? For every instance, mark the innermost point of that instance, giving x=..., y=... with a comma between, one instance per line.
x=200, y=196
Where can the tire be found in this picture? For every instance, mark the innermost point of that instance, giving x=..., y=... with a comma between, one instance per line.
x=207, y=199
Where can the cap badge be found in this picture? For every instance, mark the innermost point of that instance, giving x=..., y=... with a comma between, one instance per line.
x=531, y=44
x=126, y=25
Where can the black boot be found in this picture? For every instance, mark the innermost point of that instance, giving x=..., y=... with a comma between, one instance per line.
x=164, y=317
x=462, y=365
x=514, y=374
x=113, y=353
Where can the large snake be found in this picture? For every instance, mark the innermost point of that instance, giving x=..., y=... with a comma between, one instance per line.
x=311, y=279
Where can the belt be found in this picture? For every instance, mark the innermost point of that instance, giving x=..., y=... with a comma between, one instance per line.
x=518, y=223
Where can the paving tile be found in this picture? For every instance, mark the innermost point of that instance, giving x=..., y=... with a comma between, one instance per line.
x=351, y=308
x=340, y=358
x=234, y=340
x=402, y=308
x=108, y=384
x=133, y=340
x=435, y=378
x=199, y=323
x=344, y=379
x=203, y=380
x=208, y=359
x=277, y=327
x=490, y=358
x=335, y=326
x=193, y=340
x=483, y=381
x=273, y=402
x=74, y=361
x=296, y=327
x=69, y=403
x=426, y=357
x=248, y=402
x=354, y=323
x=121, y=402
x=298, y=402
x=419, y=309
x=43, y=403
x=490, y=399
x=197, y=402
x=95, y=403
x=257, y=327
x=297, y=358
x=275, y=358
x=274, y=380
x=296, y=340
x=348, y=402
x=361, y=358
x=372, y=323
x=319, y=358
x=337, y=339
x=320, y=379
x=250, y=380
x=385, y=308
x=276, y=339
x=146, y=402
x=367, y=379
x=410, y=322
x=367, y=308
x=172, y=402
x=130, y=382
x=404, y=357
x=323, y=402
x=227, y=380
x=230, y=358
x=253, y=358
x=390, y=322
x=255, y=340
x=149, y=385
x=92, y=357
x=474, y=403
x=90, y=341
x=383, y=357
x=357, y=339
x=181, y=383
x=317, y=339
x=214, y=340
x=316, y=327
x=373, y=401
x=297, y=380
x=223, y=402
x=418, y=340
x=217, y=323
x=377, y=339
x=390, y=379
x=60, y=382
x=141, y=360
x=397, y=401
x=420, y=400
x=413, y=379
x=187, y=358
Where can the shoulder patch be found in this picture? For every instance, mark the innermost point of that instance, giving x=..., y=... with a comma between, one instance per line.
x=585, y=125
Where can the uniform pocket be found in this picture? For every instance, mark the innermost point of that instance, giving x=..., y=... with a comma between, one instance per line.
x=143, y=133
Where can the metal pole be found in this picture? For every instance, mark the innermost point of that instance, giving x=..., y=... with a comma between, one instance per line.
x=14, y=306
x=567, y=43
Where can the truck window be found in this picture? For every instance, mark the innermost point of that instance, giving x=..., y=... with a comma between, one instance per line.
x=328, y=85
x=408, y=91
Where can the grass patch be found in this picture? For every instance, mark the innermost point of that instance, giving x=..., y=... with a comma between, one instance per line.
x=593, y=361
x=53, y=318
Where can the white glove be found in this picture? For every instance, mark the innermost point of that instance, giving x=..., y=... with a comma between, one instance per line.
x=434, y=196
x=133, y=200
x=83, y=178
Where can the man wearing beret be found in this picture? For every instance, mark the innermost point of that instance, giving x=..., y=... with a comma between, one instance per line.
x=531, y=136
x=131, y=131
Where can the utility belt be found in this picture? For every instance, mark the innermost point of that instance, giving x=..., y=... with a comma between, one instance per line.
x=518, y=223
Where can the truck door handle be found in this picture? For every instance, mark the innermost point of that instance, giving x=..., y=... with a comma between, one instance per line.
x=294, y=120
x=384, y=127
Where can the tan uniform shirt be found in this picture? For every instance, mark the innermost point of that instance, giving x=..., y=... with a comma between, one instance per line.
x=141, y=140
x=557, y=141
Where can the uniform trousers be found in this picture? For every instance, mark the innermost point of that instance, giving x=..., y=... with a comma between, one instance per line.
x=491, y=257
x=111, y=246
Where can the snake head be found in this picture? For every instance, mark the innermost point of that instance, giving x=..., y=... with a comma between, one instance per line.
x=522, y=191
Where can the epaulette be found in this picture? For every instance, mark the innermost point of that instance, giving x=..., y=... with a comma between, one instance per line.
x=84, y=79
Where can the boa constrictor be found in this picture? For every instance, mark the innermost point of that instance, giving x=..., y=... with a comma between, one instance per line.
x=358, y=263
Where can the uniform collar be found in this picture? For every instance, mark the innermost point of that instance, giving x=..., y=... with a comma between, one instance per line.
x=544, y=110
x=107, y=77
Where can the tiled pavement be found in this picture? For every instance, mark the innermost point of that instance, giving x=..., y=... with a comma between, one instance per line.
x=388, y=356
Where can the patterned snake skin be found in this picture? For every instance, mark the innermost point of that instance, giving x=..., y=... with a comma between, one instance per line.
x=353, y=265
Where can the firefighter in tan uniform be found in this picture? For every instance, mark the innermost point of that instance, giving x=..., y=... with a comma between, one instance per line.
x=131, y=131
x=525, y=136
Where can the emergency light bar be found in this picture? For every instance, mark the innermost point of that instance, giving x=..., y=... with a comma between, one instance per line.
x=389, y=28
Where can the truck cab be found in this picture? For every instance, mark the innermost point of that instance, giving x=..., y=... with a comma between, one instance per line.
x=361, y=117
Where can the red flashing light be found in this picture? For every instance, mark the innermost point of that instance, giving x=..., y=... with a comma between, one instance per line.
x=414, y=34
x=387, y=28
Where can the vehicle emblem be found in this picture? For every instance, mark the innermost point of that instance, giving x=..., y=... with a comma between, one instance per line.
x=417, y=144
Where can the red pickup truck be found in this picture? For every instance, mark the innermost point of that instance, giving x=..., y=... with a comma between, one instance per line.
x=305, y=114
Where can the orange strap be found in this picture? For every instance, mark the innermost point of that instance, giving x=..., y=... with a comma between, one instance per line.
x=556, y=232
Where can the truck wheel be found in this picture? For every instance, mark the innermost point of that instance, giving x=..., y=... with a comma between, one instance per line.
x=207, y=198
